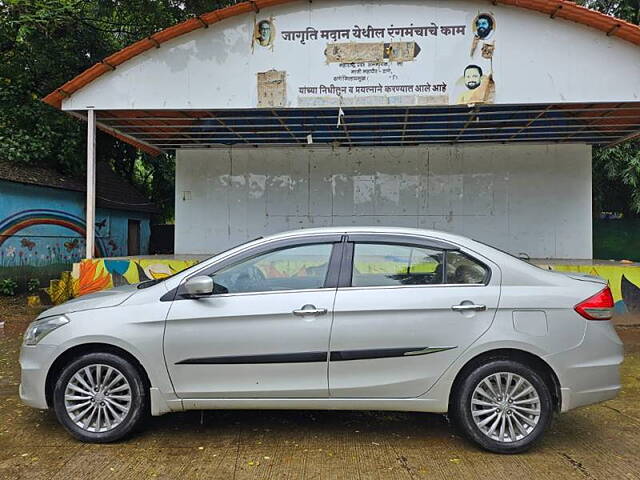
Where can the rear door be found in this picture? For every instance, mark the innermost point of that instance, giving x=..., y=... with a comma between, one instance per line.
x=405, y=309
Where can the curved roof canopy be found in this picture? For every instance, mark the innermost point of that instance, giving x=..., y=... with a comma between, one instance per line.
x=155, y=129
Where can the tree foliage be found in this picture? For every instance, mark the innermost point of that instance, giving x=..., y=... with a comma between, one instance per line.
x=616, y=169
x=628, y=10
x=43, y=44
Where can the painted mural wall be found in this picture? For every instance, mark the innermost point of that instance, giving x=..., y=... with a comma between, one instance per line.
x=89, y=276
x=42, y=231
x=624, y=281
x=374, y=53
x=533, y=199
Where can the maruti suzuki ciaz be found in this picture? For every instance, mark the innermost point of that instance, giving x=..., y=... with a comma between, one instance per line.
x=333, y=318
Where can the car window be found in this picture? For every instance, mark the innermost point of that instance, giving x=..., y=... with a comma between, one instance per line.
x=462, y=269
x=387, y=264
x=293, y=268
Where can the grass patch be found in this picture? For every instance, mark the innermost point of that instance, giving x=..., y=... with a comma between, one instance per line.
x=21, y=274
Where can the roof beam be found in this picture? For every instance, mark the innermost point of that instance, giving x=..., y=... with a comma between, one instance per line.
x=593, y=122
x=537, y=117
x=273, y=112
x=632, y=136
x=426, y=111
x=136, y=142
x=404, y=123
x=343, y=122
x=472, y=116
x=509, y=123
x=223, y=124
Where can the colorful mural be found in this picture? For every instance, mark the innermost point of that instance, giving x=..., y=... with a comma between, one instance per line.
x=11, y=225
x=89, y=276
x=42, y=232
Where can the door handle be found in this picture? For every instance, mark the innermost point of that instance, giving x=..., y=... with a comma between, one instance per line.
x=309, y=309
x=468, y=307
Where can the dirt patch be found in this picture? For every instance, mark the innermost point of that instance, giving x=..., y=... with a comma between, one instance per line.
x=15, y=315
x=630, y=337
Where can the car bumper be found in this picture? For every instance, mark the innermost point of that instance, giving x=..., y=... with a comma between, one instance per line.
x=35, y=362
x=590, y=373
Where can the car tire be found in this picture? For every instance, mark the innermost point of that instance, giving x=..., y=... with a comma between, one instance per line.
x=504, y=406
x=100, y=398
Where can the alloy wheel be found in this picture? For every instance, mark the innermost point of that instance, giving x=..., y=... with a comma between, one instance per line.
x=97, y=398
x=505, y=407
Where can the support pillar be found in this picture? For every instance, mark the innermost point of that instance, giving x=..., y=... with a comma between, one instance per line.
x=91, y=183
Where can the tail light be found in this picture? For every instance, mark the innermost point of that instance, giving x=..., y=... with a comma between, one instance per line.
x=598, y=307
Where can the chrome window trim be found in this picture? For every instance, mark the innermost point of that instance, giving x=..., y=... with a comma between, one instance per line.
x=402, y=239
x=437, y=285
x=268, y=292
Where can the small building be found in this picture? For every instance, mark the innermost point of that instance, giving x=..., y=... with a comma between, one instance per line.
x=42, y=220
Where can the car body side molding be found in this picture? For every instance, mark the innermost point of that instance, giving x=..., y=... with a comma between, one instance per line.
x=368, y=354
x=300, y=357
x=309, y=357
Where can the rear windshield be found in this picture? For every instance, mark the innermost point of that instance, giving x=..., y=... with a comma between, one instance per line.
x=521, y=259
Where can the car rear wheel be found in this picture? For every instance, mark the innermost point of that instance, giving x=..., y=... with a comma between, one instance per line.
x=504, y=406
x=100, y=397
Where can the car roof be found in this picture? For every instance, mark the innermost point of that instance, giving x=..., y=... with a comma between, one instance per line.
x=371, y=229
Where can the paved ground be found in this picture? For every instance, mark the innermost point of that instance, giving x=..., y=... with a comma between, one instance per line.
x=599, y=442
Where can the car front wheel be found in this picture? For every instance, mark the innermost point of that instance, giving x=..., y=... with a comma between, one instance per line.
x=100, y=397
x=504, y=406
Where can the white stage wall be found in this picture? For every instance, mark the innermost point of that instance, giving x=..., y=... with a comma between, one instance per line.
x=534, y=199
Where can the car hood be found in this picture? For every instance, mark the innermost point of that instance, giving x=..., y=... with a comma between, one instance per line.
x=92, y=301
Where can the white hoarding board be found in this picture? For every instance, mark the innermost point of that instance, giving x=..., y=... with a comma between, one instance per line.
x=366, y=53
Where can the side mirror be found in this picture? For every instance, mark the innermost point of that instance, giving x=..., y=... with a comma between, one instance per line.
x=200, y=286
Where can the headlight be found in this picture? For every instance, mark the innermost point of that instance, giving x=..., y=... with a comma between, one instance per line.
x=41, y=328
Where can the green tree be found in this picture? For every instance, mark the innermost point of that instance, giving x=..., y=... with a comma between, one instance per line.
x=616, y=169
x=43, y=44
x=628, y=10
x=616, y=178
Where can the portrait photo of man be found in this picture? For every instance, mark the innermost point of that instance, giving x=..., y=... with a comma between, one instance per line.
x=264, y=33
x=479, y=88
x=472, y=76
x=484, y=26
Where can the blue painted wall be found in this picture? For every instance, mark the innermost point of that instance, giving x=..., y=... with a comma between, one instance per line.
x=40, y=243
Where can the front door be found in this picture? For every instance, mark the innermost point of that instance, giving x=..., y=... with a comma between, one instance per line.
x=264, y=334
x=407, y=311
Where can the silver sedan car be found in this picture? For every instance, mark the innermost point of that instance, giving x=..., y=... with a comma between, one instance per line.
x=333, y=318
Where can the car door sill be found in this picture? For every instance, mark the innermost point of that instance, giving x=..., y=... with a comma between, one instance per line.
x=399, y=404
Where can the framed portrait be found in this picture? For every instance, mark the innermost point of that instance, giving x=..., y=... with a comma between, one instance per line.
x=264, y=33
